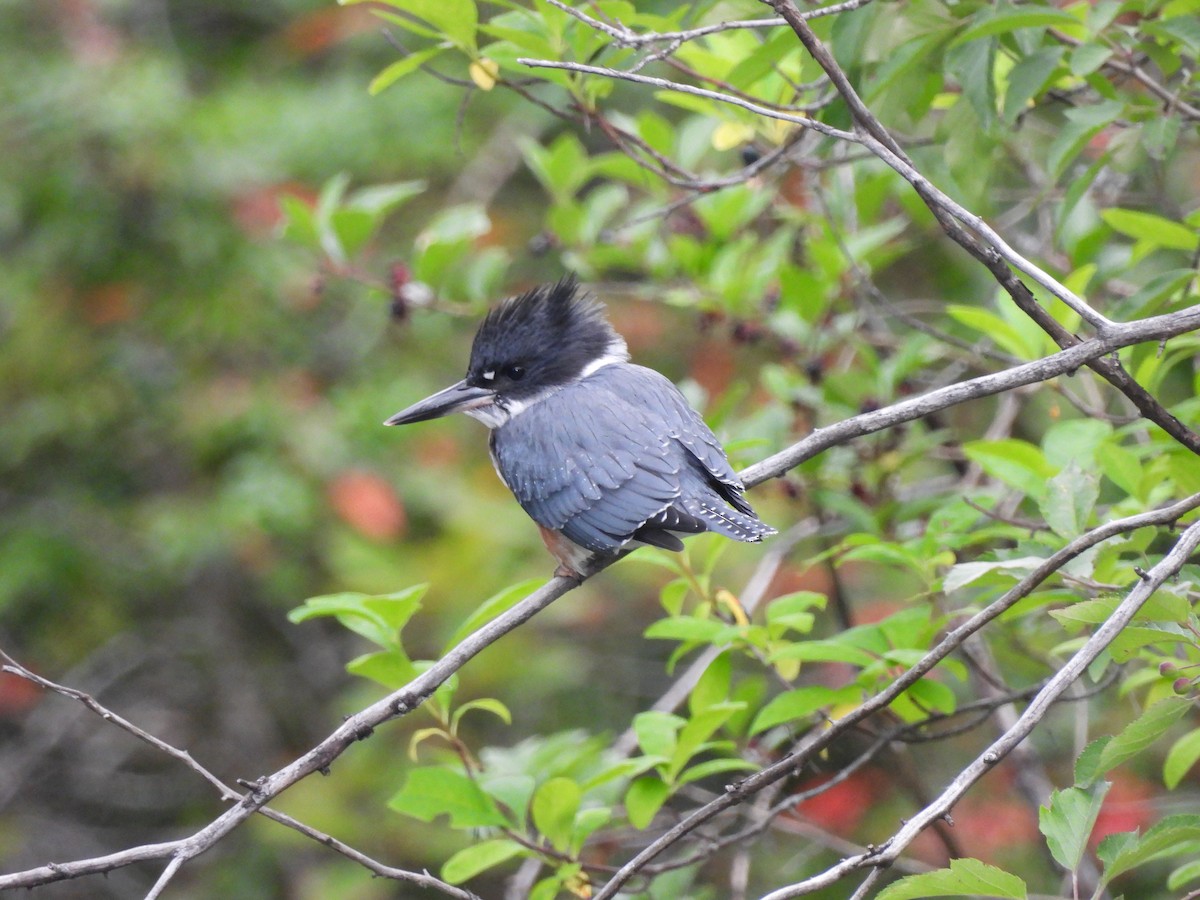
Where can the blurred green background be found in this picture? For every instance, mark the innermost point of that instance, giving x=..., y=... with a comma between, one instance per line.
x=192, y=441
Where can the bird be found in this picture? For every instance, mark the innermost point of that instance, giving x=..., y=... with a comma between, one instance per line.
x=601, y=453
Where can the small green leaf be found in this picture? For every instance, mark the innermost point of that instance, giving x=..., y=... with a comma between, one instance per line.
x=715, y=767
x=964, y=877
x=300, y=225
x=390, y=668
x=1143, y=731
x=1028, y=78
x=713, y=686
x=644, y=799
x=433, y=791
x=828, y=650
x=687, y=628
x=1087, y=766
x=1152, y=228
x=554, y=806
x=487, y=704
x=470, y=861
x=1087, y=58
x=1001, y=20
x=962, y=574
x=456, y=19
x=1122, y=852
x=795, y=704
x=1017, y=463
x=1180, y=758
x=657, y=732
x=933, y=696
x=401, y=67
x=1069, y=499
x=1068, y=820
x=1083, y=123
x=587, y=821
x=1121, y=467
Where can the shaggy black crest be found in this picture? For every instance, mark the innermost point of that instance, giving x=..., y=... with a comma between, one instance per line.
x=542, y=338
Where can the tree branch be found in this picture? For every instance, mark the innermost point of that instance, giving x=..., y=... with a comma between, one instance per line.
x=1065, y=361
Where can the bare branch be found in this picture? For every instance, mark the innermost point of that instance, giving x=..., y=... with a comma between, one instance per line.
x=227, y=793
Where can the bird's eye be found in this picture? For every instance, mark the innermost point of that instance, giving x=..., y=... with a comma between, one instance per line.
x=516, y=373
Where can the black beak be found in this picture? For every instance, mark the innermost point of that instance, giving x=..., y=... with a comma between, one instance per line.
x=456, y=398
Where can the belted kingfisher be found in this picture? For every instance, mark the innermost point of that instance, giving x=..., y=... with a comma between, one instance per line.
x=601, y=453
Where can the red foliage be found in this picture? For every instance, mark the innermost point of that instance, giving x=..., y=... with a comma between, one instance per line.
x=368, y=504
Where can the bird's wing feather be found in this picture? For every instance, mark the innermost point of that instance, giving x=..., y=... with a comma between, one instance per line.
x=600, y=460
x=611, y=466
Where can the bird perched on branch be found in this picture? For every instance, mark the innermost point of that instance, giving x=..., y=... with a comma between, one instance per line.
x=601, y=453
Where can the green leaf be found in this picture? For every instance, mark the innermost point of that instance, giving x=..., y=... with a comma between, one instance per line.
x=397, y=608
x=657, y=732
x=715, y=767
x=401, y=67
x=1143, y=731
x=1083, y=123
x=828, y=650
x=696, y=732
x=964, y=877
x=1121, y=467
x=390, y=668
x=300, y=225
x=712, y=687
x=456, y=19
x=378, y=618
x=1151, y=228
x=1017, y=463
x=687, y=628
x=383, y=198
x=1070, y=497
x=1087, y=58
x=1185, y=874
x=797, y=704
x=644, y=799
x=470, y=861
x=433, y=791
x=933, y=696
x=554, y=806
x=1028, y=78
x=1067, y=822
x=962, y=574
x=1180, y=758
x=1087, y=766
x=487, y=704
x=1122, y=852
x=1001, y=20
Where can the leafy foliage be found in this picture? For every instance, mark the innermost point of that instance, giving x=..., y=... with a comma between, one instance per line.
x=191, y=402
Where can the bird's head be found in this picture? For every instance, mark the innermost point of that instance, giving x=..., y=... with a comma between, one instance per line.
x=526, y=348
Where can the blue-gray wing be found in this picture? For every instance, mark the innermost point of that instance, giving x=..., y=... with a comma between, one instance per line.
x=599, y=460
